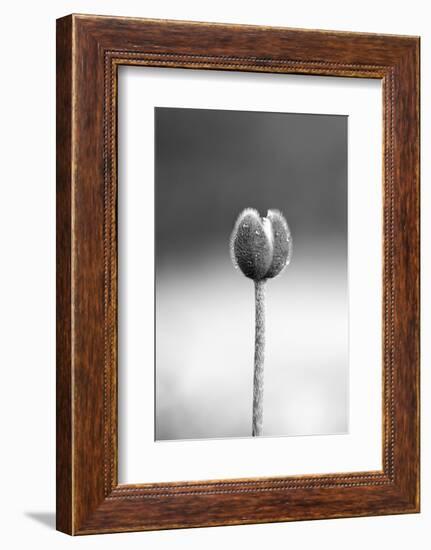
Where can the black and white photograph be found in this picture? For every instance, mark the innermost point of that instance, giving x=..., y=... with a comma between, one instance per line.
x=251, y=274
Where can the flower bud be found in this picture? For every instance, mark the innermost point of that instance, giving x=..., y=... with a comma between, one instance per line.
x=261, y=247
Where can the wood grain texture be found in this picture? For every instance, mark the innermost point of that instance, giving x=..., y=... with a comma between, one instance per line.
x=89, y=498
x=64, y=495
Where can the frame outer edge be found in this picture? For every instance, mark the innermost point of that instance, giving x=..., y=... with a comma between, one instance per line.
x=407, y=280
x=64, y=368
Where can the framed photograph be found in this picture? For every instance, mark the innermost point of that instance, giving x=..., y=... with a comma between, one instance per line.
x=237, y=274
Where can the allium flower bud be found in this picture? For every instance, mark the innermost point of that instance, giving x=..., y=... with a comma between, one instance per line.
x=261, y=247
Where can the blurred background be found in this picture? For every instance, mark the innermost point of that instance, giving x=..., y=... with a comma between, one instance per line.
x=209, y=166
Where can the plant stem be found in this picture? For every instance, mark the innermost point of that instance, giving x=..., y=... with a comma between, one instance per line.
x=259, y=357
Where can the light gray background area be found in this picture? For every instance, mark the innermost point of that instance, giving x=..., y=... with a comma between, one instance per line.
x=209, y=165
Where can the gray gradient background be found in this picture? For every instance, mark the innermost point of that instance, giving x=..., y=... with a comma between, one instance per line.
x=211, y=164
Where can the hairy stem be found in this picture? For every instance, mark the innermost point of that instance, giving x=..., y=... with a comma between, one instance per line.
x=259, y=357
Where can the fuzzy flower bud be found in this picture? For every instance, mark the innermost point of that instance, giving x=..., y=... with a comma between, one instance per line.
x=261, y=247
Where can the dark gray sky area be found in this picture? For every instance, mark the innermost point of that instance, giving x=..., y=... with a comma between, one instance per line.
x=210, y=164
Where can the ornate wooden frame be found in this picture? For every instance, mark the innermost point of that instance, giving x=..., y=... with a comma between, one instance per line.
x=89, y=51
